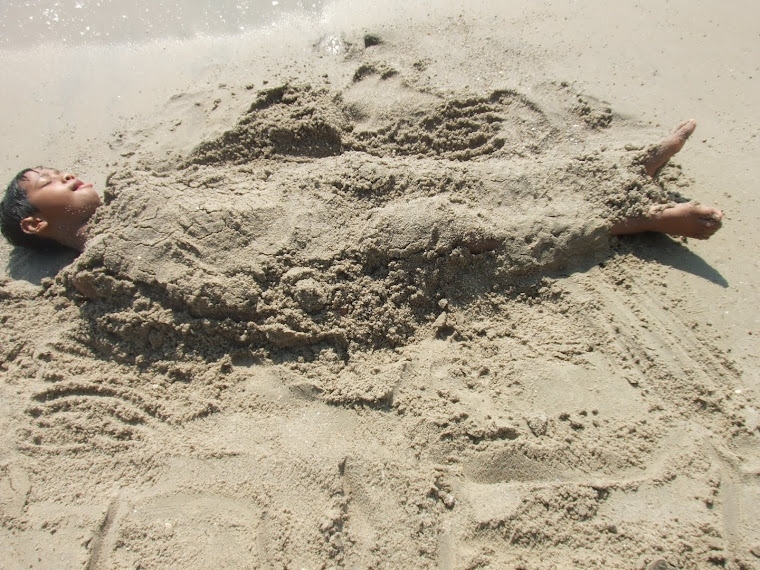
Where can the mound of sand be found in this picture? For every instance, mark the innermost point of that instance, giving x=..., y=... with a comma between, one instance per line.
x=299, y=228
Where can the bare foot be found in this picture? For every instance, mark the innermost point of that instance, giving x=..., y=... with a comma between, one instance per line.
x=685, y=220
x=669, y=146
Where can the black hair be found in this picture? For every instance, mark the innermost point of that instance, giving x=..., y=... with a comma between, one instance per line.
x=14, y=208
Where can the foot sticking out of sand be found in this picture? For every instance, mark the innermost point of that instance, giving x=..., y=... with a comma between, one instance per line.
x=668, y=147
x=685, y=220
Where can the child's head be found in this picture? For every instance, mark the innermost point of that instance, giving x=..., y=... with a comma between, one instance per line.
x=44, y=207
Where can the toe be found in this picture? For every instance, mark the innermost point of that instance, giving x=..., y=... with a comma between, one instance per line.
x=685, y=129
x=708, y=212
x=708, y=226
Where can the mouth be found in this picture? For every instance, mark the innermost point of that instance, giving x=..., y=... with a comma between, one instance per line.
x=78, y=184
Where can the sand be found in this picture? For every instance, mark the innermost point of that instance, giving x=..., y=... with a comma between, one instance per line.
x=351, y=301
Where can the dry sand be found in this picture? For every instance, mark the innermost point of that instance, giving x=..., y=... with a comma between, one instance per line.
x=289, y=342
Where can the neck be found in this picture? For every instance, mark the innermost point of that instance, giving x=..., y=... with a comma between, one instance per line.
x=73, y=237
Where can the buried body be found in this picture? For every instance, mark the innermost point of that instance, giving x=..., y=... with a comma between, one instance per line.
x=351, y=249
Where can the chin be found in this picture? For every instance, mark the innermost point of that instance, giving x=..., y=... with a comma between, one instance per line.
x=92, y=199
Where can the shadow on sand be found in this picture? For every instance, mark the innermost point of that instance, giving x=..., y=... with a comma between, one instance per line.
x=34, y=266
x=671, y=252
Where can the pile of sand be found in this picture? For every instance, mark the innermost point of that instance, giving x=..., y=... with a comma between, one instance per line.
x=298, y=228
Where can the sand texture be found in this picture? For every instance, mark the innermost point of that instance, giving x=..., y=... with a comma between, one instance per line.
x=368, y=315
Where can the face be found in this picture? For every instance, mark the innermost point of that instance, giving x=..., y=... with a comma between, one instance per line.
x=61, y=198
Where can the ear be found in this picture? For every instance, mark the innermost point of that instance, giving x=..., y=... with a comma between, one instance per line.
x=33, y=225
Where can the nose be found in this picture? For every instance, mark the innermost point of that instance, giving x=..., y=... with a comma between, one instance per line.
x=68, y=176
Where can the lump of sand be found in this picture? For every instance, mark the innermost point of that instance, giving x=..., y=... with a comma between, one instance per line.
x=296, y=228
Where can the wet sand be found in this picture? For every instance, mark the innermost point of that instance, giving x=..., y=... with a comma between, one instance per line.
x=265, y=359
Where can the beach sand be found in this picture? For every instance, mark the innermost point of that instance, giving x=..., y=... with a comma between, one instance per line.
x=289, y=342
